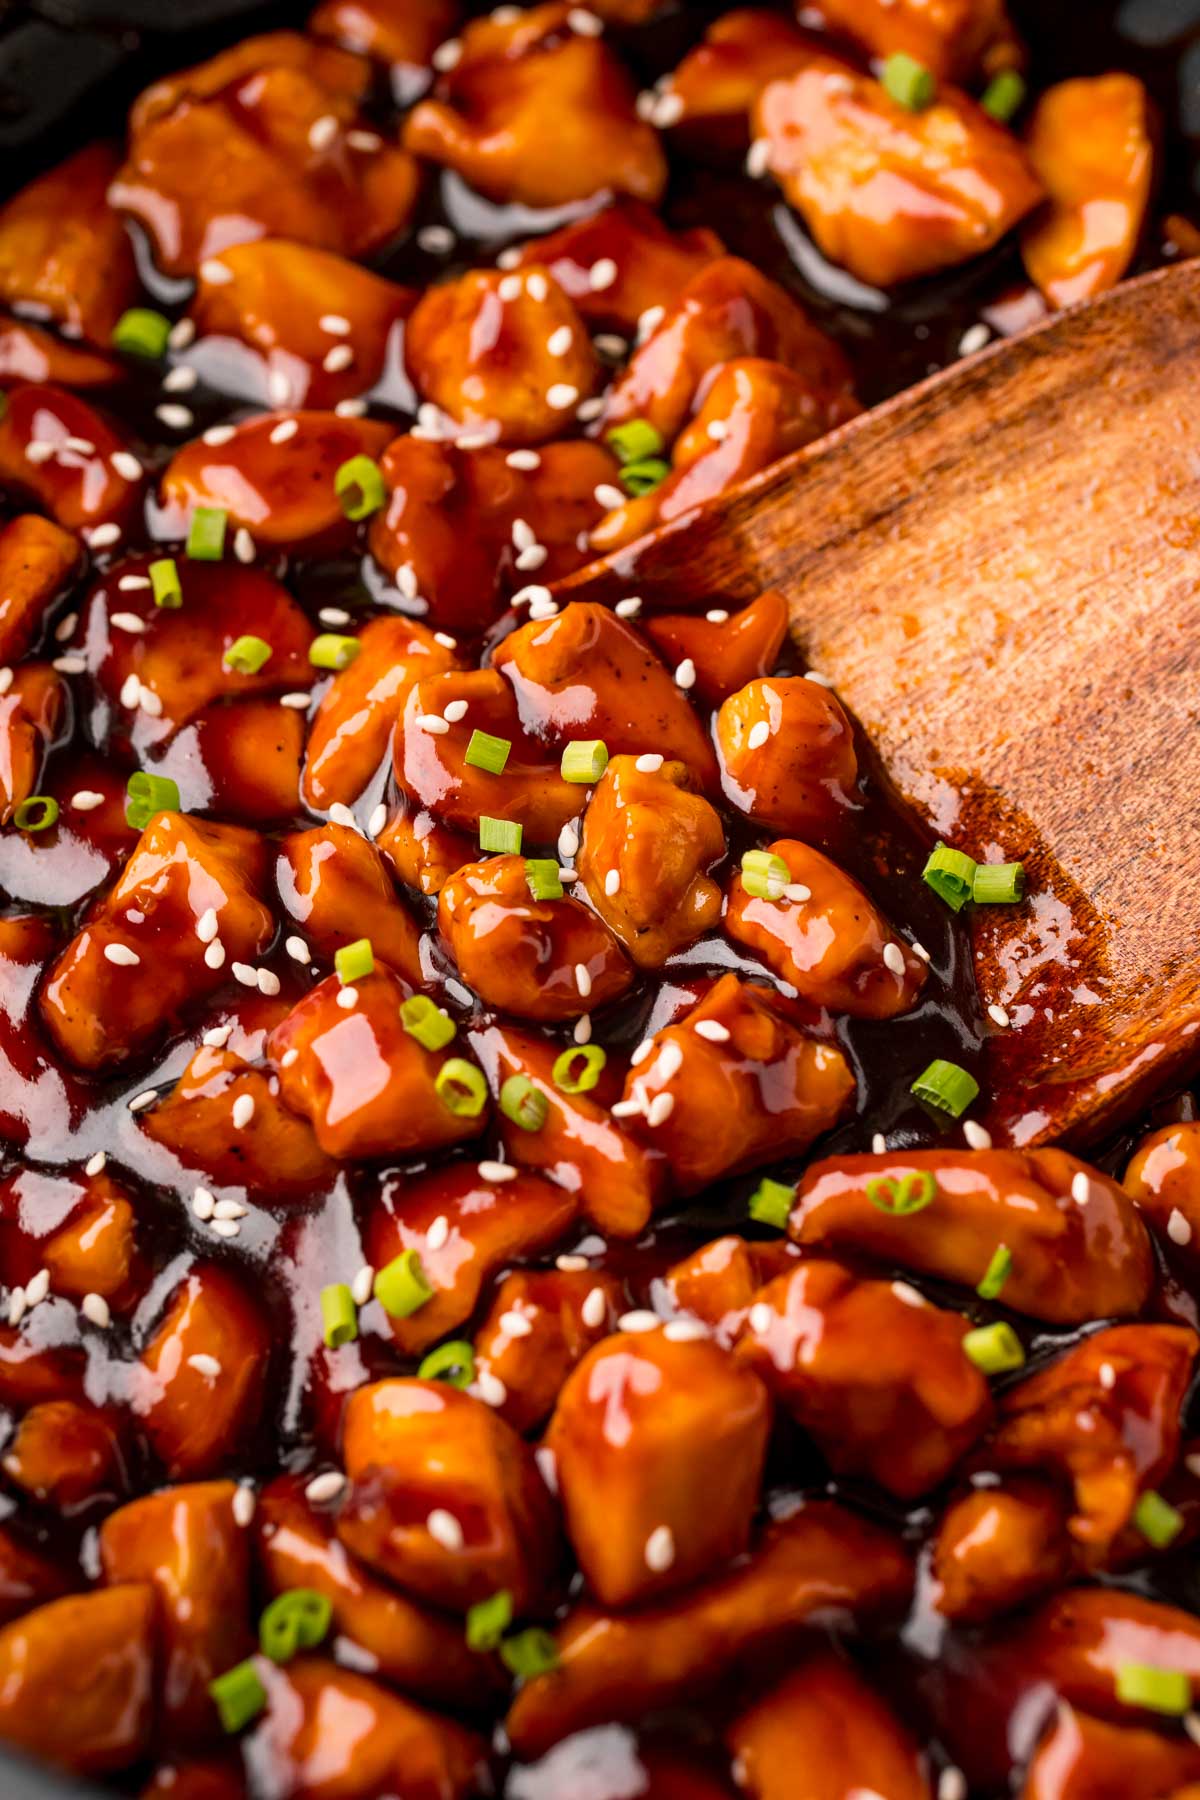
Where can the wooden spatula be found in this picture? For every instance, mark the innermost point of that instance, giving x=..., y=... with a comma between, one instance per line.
x=1000, y=572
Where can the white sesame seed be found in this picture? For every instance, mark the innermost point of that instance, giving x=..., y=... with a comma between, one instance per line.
x=497, y=1171
x=583, y=980
x=560, y=341
x=226, y=1228
x=820, y=680
x=560, y=395
x=377, y=820
x=37, y=1289
x=127, y=621
x=131, y=691
x=609, y=344
x=510, y=287
x=69, y=665
x=587, y=410
x=893, y=957
x=542, y=609
x=207, y=926
x=447, y=55
x=1081, y=1187
x=214, y=955
x=126, y=465
x=489, y=1388
x=245, y=973
x=339, y=358
x=364, y=140
x=340, y=814
x=638, y=1321
x=612, y=882
x=202, y=1204
x=761, y=1318
x=297, y=702
x=215, y=436
x=594, y=1308
x=978, y=1136
x=322, y=132
x=348, y=998
x=180, y=381
x=95, y=1163
x=204, y=1365
x=973, y=339
x=334, y=324
x=85, y=800
x=628, y=608
x=217, y=274
x=660, y=1549
x=363, y=1285
x=96, y=1308
x=279, y=387
x=878, y=1143
x=571, y=1264
x=515, y=1324
x=230, y=1209
x=649, y=322
x=268, y=983
x=531, y=559
x=243, y=1111
x=568, y=842
x=1107, y=1376
x=952, y=1785
x=686, y=1331
x=438, y=1235
x=149, y=701
x=286, y=428
x=602, y=274
x=121, y=955
x=243, y=1505
x=288, y=1058
x=1178, y=1229
x=626, y=1109
x=759, y=735
x=713, y=1030
x=16, y=1306
x=997, y=1014
x=911, y=1296
x=547, y=1467
x=140, y=1102
x=669, y=110
x=432, y=723
x=539, y=287
x=758, y=158
x=175, y=418
x=40, y=451
x=325, y=1487
x=6, y=680
x=82, y=446
x=436, y=239
x=455, y=711
x=523, y=534
x=660, y=1109
x=582, y=1029
x=608, y=496
x=523, y=459
x=685, y=674
x=649, y=763
x=182, y=334
x=718, y=431
x=217, y=1037
x=243, y=545
x=351, y=409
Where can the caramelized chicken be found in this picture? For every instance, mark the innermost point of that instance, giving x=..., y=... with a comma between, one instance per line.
x=540, y=1323
x=423, y=853
x=37, y=561
x=718, y=1282
x=77, y=1679
x=32, y=713
x=726, y=650
x=798, y=774
x=59, y=452
x=404, y=33
x=199, y=1380
x=1163, y=1177
x=64, y=253
x=618, y=263
x=998, y=1547
x=64, y=1454
x=954, y=39
x=1081, y=1758
x=536, y=113
x=335, y=885
x=718, y=82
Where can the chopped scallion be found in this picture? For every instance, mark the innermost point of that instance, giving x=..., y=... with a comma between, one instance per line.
x=164, y=581
x=1158, y=1690
x=206, y=534
x=36, y=813
x=401, y=1286
x=353, y=961
x=771, y=1203
x=239, y=1695
x=951, y=875
x=998, y=884
x=643, y=477
x=339, y=1315
x=453, y=1362
x=909, y=83
x=634, y=441
x=946, y=1087
x=330, y=651
x=543, y=878
x=578, y=1069
x=502, y=836
x=487, y=752
x=1157, y=1520
x=488, y=1620
x=461, y=1088
x=295, y=1620
x=523, y=1103
x=996, y=1274
x=359, y=486
x=584, y=760
x=247, y=655
x=764, y=876
x=432, y=1028
x=1004, y=95
x=147, y=794
x=994, y=1348
x=140, y=331
x=911, y=1193
x=529, y=1653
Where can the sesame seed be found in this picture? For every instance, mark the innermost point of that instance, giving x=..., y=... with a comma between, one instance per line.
x=649, y=763
x=686, y=1331
x=202, y=1204
x=533, y=558
x=568, y=842
x=911, y=1296
x=649, y=322
x=893, y=957
x=638, y=1321
x=455, y=711
x=121, y=955
x=334, y=324
x=351, y=409
x=497, y=1171
x=660, y=1109
x=1178, y=1229
x=669, y=111
x=215, y=436
x=37, y=1289
x=127, y=621
x=140, y=1102
x=86, y=800
x=40, y=451
x=16, y=1306
x=523, y=534
x=761, y=1317
x=612, y=882
x=641, y=1052
x=584, y=22
x=628, y=608
x=583, y=979
x=95, y=1163
x=539, y=287
x=340, y=814
x=180, y=381
x=1081, y=1187
x=363, y=1285
x=997, y=1014
x=436, y=239
x=515, y=1324
x=82, y=446
x=560, y=395
x=560, y=341
x=325, y=1487
x=1107, y=1376
x=547, y=1467
x=102, y=537
x=279, y=387
x=489, y=1388
x=348, y=998
x=670, y=1060
x=758, y=158
x=96, y=1308
x=204, y=1365
x=214, y=955
x=131, y=691
x=542, y=609
x=626, y=1109
x=713, y=1030
x=364, y=140
x=660, y=1549
x=510, y=287
x=339, y=358
x=594, y=1308
x=297, y=702
x=922, y=952
x=243, y=1111
x=289, y=1057
x=230, y=1209
x=268, y=983
x=759, y=735
x=175, y=418
x=377, y=820
x=952, y=1785
x=587, y=410
x=973, y=338
x=215, y=273
x=570, y=1264
x=126, y=465
x=207, y=926
x=286, y=428
x=322, y=132
x=609, y=344
x=217, y=1037
x=978, y=1136
x=447, y=55
x=796, y=890
x=608, y=496
x=182, y=334
x=69, y=665
x=245, y=973
x=149, y=701
x=582, y=1029
x=602, y=274
x=243, y=1504
x=878, y=1143
x=523, y=459
x=685, y=674
x=438, y=1235
x=717, y=430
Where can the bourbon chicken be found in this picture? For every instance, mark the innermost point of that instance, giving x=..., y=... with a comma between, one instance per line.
x=507, y=1290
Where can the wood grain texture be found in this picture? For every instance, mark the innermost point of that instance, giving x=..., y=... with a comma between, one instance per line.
x=1000, y=571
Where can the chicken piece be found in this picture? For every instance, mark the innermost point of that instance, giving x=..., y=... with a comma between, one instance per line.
x=1081, y=1758
x=286, y=501
x=181, y=870
x=276, y=300
x=445, y=1499
x=1106, y=1418
x=421, y=1651
x=239, y=149
x=954, y=39
x=648, y=842
x=200, y=1377
x=87, y=846
x=539, y=1325
x=618, y=1182
x=64, y=1455
x=717, y=83
x=998, y=1547
x=201, y=1121
x=242, y=761
x=538, y=114
x=525, y=956
x=447, y=530
x=825, y=936
x=38, y=560
x=587, y=674
x=367, y=1086
x=28, y=1578
x=185, y=1543
x=1091, y=144
x=905, y=1419
x=431, y=764
x=177, y=654
x=616, y=1666
x=1079, y=1250
x=58, y=451
x=889, y=193
x=423, y=854
x=480, y=349
x=27, y=353
x=618, y=263
x=800, y=775
x=729, y=310
x=1163, y=1177
x=348, y=738
x=30, y=1375
x=403, y=33
x=718, y=1282
x=482, y=1225
x=77, y=1680
x=753, y=414
x=80, y=1228
x=63, y=253
x=33, y=711
x=754, y=1093
x=329, y=1734
x=822, y=1734
x=658, y=1450
x=335, y=885
x=726, y=650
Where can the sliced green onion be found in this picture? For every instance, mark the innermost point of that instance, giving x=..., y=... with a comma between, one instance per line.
x=488, y=1621
x=453, y=1362
x=523, y=1103
x=946, y=1086
x=1159, y=1690
x=487, y=752
x=634, y=441
x=359, y=487
x=247, y=655
x=910, y=84
x=912, y=1193
x=764, y=876
x=329, y=651
x=147, y=794
x=164, y=580
x=584, y=760
x=543, y=878
x=529, y=1653
x=353, y=961
x=1004, y=95
x=206, y=534
x=1157, y=1520
x=996, y=1273
x=501, y=835
x=998, y=884
x=432, y=1028
x=994, y=1348
x=339, y=1315
x=461, y=1088
x=142, y=332
x=643, y=477
x=295, y=1620
x=239, y=1695
x=771, y=1203
x=951, y=875
x=401, y=1286
x=571, y=1078
x=37, y=813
